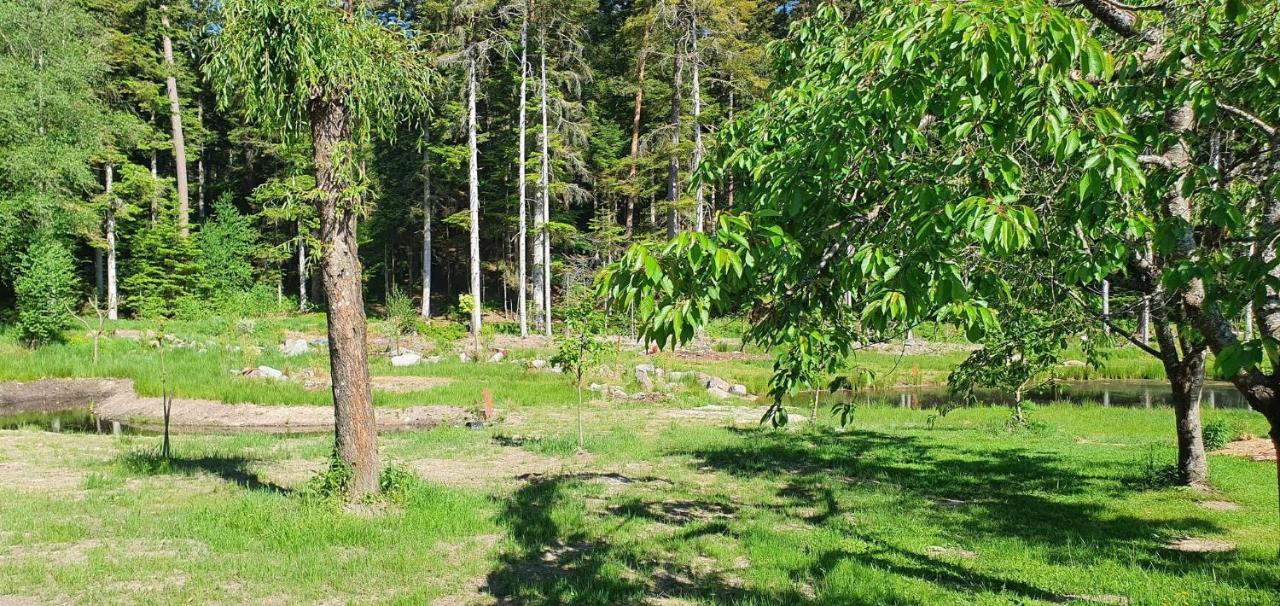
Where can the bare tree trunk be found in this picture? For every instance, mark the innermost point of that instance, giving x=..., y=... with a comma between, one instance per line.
x=175, y=120
x=355, y=429
x=546, y=196
x=302, y=266
x=474, y=191
x=1106, y=306
x=522, y=252
x=113, y=298
x=673, y=163
x=200, y=167
x=634, y=196
x=1193, y=465
x=698, y=196
x=426, y=225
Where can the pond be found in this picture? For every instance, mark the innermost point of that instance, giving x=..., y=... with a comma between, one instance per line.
x=77, y=420
x=1121, y=394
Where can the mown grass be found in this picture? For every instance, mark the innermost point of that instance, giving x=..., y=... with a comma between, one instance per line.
x=890, y=511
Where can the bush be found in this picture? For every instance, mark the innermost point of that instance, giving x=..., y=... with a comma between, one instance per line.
x=1217, y=433
x=163, y=273
x=226, y=245
x=45, y=291
x=401, y=317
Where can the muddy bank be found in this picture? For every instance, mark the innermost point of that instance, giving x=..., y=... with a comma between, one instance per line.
x=115, y=400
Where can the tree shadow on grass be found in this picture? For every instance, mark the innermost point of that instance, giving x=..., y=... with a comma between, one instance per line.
x=981, y=493
x=233, y=469
x=555, y=565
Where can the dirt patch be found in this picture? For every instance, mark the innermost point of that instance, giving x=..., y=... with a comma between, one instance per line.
x=1115, y=600
x=17, y=600
x=52, y=395
x=731, y=414
x=25, y=477
x=718, y=356
x=77, y=553
x=1200, y=545
x=950, y=552
x=1256, y=449
x=314, y=380
x=505, y=341
x=290, y=473
x=122, y=404
x=1219, y=505
x=500, y=468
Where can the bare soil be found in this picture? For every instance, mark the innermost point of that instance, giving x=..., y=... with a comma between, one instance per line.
x=115, y=400
x=1256, y=449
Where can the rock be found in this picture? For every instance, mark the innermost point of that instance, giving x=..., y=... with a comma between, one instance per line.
x=125, y=333
x=294, y=347
x=464, y=358
x=709, y=382
x=738, y=389
x=268, y=372
x=642, y=377
x=319, y=341
x=717, y=393
x=647, y=368
x=1074, y=364
x=538, y=364
x=557, y=368
x=676, y=376
x=408, y=358
x=432, y=359
x=595, y=387
x=498, y=356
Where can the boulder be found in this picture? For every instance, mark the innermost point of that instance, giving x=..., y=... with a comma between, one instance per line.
x=498, y=356
x=717, y=393
x=268, y=372
x=647, y=368
x=464, y=358
x=538, y=364
x=709, y=382
x=642, y=377
x=432, y=359
x=294, y=347
x=407, y=358
x=738, y=389
x=675, y=376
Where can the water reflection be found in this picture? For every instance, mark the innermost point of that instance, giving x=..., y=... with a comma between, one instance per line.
x=1119, y=394
x=69, y=421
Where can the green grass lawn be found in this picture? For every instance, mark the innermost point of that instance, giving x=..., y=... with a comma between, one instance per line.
x=657, y=510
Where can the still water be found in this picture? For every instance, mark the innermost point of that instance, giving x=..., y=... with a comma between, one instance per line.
x=1125, y=394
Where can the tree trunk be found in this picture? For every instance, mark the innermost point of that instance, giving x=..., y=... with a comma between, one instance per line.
x=522, y=252
x=355, y=429
x=426, y=225
x=546, y=195
x=673, y=163
x=200, y=167
x=1187, y=382
x=634, y=195
x=302, y=267
x=698, y=196
x=175, y=121
x=99, y=277
x=113, y=298
x=474, y=191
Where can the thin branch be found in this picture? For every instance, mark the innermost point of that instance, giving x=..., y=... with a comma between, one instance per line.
x=1250, y=117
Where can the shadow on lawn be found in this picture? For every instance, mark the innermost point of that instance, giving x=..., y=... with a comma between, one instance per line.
x=993, y=492
x=233, y=469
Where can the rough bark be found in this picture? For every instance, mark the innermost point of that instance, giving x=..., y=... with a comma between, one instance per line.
x=355, y=433
x=522, y=252
x=474, y=196
x=1186, y=380
x=634, y=196
x=175, y=123
x=200, y=168
x=113, y=297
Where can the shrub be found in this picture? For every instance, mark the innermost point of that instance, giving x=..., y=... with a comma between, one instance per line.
x=1217, y=433
x=227, y=243
x=162, y=271
x=401, y=316
x=45, y=291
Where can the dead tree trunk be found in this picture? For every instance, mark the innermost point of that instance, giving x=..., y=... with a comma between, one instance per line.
x=113, y=297
x=175, y=121
x=634, y=194
x=522, y=252
x=474, y=192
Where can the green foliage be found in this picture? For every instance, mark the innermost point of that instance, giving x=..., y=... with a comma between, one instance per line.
x=226, y=245
x=163, y=271
x=271, y=57
x=45, y=289
x=578, y=347
x=400, y=314
x=462, y=311
x=1218, y=432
